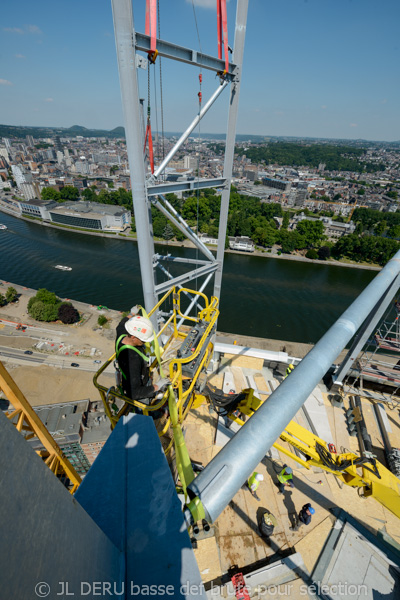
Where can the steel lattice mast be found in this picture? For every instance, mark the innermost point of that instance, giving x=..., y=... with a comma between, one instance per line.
x=148, y=190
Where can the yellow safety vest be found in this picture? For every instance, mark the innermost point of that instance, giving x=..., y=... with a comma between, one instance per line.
x=253, y=483
x=284, y=478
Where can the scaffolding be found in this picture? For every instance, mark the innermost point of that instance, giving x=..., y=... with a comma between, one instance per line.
x=380, y=359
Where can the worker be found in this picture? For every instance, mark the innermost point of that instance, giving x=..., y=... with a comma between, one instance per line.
x=266, y=524
x=304, y=517
x=289, y=370
x=285, y=477
x=253, y=482
x=132, y=333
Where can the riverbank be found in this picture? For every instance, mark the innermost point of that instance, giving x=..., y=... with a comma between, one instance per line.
x=88, y=335
x=187, y=244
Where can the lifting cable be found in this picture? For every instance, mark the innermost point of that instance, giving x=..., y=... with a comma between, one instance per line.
x=200, y=97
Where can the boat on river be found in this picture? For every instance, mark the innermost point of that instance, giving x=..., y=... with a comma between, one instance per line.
x=63, y=268
x=3, y=226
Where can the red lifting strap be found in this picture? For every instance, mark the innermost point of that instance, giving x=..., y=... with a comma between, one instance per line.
x=150, y=138
x=222, y=26
x=151, y=23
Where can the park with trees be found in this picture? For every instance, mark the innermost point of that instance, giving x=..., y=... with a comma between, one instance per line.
x=375, y=240
x=335, y=158
x=46, y=306
x=10, y=296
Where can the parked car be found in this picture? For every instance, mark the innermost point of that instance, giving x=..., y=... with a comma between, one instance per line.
x=28, y=352
x=97, y=361
x=74, y=365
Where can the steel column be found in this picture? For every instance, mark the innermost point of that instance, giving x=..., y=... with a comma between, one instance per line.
x=124, y=40
x=221, y=479
x=240, y=33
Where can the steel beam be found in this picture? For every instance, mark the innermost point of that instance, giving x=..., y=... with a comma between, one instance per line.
x=161, y=288
x=184, y=186
x=222, y=478
x=179, y=222
x=240, y=33
x=186, y=55
x=187, y=294
x=369, y=325
x=189, y=130
x=123, y=28
x=170, y=258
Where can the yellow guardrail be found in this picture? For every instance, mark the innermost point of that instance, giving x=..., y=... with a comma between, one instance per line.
x=183, y=387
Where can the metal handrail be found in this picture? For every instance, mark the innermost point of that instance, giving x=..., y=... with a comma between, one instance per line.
x=209, y=314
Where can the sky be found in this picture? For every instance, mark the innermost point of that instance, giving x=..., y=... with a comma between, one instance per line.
x=312, y=68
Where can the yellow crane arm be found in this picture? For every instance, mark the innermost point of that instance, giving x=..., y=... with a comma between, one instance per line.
x=29, y=422
x=364, y=473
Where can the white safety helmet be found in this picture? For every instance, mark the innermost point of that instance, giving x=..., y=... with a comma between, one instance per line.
x=141, y=328
x=260, y=477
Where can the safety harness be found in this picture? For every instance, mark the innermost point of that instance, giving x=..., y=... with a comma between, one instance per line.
x=119, y=350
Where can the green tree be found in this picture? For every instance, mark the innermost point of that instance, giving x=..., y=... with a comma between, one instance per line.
x=380, y=227
x=67, y=313
x=11, y=294
x=69, y=193
x=361, y=192
x=394, y=232
x=49, y=193
x=50, y=312
x=3, y=300
x=159, y=224
x=324, y=252
x=102, y=320
x=193, y=208
x=37, y=310
x=313, y=231
x=168, y=232
x=47, y=297
x=312, y=254
x=286, y=219
x=89, y=194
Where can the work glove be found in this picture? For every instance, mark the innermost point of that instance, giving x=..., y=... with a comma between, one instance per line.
x=162, y=383
x=135, y=310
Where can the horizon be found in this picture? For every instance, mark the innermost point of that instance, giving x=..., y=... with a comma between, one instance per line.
x=311, y=70
x=216, y=133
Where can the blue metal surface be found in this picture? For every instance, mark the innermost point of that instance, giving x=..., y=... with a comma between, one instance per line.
x=129, y=492
x=49, y=546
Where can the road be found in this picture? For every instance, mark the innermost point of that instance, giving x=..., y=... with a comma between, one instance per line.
x=38, y=358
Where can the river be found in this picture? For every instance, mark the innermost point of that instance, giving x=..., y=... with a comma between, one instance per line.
x=262, y=297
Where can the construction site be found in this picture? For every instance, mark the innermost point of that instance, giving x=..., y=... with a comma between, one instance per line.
x=254, y=472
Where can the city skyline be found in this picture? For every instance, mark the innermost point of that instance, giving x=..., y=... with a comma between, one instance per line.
x=311, y=69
